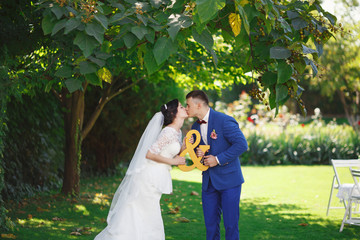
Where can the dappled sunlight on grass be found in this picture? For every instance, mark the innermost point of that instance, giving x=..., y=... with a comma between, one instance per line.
x=82, y=208
x=102, y=199
x=283, y=202
x=287, y=220
x=34, y=222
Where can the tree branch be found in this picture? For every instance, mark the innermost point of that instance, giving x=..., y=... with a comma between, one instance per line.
x=107, y=96
x=56, y=94
x=121, y=90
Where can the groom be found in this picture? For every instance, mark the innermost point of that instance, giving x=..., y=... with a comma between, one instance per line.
x=221, y=184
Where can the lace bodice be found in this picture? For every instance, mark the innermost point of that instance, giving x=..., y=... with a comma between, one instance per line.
x=168, y=143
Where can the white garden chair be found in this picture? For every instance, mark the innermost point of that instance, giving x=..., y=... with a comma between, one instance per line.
x=343, y=189
x=353, y=198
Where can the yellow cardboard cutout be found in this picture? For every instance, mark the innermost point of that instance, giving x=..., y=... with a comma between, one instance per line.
x=190, y=149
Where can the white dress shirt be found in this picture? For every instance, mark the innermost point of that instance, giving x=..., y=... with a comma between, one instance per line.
x=204, y=127
x=204, y=130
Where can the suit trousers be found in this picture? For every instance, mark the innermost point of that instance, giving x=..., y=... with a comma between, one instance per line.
x=226, y=202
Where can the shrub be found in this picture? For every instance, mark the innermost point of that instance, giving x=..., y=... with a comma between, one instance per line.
x=33, y=156
x=285, y=140
x=5, y=223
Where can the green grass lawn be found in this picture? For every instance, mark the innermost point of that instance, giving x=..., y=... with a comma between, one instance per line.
x=282, y=202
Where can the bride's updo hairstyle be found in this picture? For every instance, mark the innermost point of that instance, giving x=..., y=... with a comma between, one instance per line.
x=169, y=111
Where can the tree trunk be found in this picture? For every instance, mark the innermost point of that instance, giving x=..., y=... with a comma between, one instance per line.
x=351, y=115
x=74, y=104
x=73, y=121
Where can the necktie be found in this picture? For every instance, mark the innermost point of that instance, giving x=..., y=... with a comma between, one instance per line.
x=201, y=121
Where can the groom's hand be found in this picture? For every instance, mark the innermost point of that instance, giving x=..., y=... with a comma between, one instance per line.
x=210, y=161
x=199, y=152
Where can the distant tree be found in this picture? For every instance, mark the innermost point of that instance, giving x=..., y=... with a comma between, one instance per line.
x=340, y=68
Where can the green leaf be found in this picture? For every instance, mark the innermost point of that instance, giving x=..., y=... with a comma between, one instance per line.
x=58, y=26
x=99, y=62
x=314, y=68
x=268, y=26
x=57, y=10
x=47, y=24
x=176, y=22
x=150, y=62
x=102, y=55
x=142, y=19
x=73, y=84
x=284, y=72
x=205, y=38
x=150, y=36
x=272, y=99
x=207, y=9
x=129, y=40
x=215, y=59
x=281, y=92
x=95, y=30
x=293, y=84
x=315, y=56
x=251, y=12
x=331, y=17
x=87, y=67
x=64, y=72
x=198, y=24
x=285, y=25
x=86, y=43
x=102, y=20
x=312, y=64
x=156, y=3
x=117, y=17
x=139, y=31
x=278, y=52
x=243, y=17
x=71, y=24
x=300, y=65
x=299, y=23
x=105, y=75
x=163, y=49
x=307, y=50
x=173, y=31
x=269, y=79
x=93, y=79
x=292, y=14
x=319, y=48
x=299, y=91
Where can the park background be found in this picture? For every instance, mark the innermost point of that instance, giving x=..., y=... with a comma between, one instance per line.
x=296, y=148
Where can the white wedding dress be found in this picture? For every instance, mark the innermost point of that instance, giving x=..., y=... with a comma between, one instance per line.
x=135, y=212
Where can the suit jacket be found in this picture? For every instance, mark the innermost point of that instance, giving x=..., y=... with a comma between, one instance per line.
x=227, y=147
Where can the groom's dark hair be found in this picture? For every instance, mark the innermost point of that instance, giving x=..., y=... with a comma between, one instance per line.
x=198, y=94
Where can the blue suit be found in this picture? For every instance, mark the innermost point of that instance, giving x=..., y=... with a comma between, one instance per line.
x=221, y=185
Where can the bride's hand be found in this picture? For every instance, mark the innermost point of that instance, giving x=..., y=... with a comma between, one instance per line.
x=190, y=140
x=179, y=160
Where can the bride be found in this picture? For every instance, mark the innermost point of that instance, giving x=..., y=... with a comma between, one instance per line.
x=135, y=209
